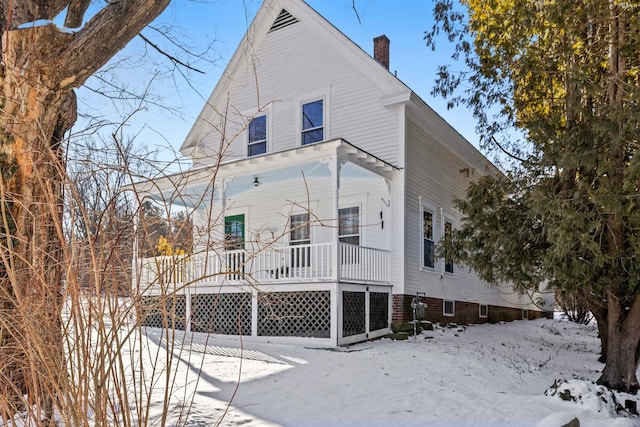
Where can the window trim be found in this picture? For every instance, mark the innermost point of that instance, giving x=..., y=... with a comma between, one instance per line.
x=324, y=124
x=424, y=210
x=444, y=307
x=486, y=311
x=262, y=141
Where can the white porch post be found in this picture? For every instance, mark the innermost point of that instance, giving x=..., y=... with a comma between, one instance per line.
x=222, y=207
x=334, y=166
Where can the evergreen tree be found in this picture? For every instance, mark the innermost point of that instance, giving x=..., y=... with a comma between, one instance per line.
x=556, y=85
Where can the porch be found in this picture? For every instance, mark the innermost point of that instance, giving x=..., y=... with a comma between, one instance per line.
x=291, y=246
x=269, y=265
x=288, y=294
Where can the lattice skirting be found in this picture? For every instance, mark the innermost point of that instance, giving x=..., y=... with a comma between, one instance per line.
x=354, y=312
x=305, y=314
x=164, y=312
x=296, y=314
x=226, y=314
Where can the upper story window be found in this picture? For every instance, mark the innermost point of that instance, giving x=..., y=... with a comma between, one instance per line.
x=428, y=255
x=257, y=136
x=312, y=122
x=448, y=259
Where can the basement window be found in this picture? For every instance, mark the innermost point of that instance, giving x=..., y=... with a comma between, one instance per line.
x=484, y=310
x=448, y=308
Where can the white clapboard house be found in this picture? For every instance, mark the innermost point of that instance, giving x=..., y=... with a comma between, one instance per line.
x=319, y=187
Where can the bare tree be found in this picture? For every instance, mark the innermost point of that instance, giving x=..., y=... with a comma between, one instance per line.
x=41, y=66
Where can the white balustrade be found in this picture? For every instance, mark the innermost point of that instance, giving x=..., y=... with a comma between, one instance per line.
x=270, y=264
x=363, y=264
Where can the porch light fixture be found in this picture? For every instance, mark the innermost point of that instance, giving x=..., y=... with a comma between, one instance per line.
x=256, y=182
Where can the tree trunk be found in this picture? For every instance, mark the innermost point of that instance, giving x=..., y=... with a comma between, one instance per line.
x=623, y=339
x=31, y=125
x=40, y=67
x=620, y=370
x=598, y=308
x=601, y=321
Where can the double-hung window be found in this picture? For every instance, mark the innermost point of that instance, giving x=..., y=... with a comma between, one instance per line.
x=312, y=122
x=349, y=232
x=299, y=235
x=428, y=255
x=448, y=259
x=257, y=142
x=349, y=225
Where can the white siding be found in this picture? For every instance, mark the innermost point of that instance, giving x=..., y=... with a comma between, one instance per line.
x=298, y=64
x=267, y=209
x=311, y=60
x=437, y=176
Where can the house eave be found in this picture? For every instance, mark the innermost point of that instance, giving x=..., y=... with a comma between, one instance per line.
x=259, y=165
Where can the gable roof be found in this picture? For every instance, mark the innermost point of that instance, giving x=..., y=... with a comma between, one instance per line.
x=272, y=16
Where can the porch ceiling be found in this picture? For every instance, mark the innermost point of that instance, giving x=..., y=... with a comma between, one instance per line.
x=193, y=187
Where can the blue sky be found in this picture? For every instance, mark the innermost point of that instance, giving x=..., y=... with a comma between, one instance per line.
x=222, y=23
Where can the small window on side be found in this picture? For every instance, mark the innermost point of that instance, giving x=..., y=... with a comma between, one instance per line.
x=428, y=256
x=449, y=308
x=484, y=310
x=525, y=314
x=448, y=259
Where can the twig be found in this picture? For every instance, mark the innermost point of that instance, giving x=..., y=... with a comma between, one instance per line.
x=171, y=57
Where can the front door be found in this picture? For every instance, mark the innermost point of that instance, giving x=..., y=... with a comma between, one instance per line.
x=234, y=244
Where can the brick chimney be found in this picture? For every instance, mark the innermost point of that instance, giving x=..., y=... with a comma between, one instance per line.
x=381, y=50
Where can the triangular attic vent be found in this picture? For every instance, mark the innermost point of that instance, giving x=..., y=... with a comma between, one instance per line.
x=284, y=19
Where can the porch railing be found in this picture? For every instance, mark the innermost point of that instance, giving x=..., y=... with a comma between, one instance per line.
x=360, y=263
x=296, y=263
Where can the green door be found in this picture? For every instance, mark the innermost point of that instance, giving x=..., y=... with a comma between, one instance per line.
x=234, y=232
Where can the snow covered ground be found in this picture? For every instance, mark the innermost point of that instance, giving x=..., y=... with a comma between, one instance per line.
x=484, y=375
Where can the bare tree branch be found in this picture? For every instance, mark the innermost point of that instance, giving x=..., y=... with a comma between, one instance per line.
x=170, y=57
x=104, y=35
x=355, y=10
x=17, y=12
x=75, y=13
